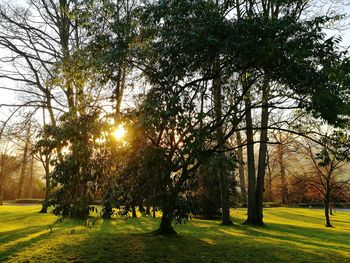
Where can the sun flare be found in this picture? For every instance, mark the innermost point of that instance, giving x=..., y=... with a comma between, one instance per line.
x=119, y=133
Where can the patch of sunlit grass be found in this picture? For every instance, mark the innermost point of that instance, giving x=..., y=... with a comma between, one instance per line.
x=290, y=234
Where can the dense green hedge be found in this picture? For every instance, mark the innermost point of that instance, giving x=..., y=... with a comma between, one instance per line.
x=271, y=204
x=318, y=205
x=28, y=201
x=265, y=204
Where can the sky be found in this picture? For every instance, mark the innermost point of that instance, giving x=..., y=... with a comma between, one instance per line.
x=8, y=97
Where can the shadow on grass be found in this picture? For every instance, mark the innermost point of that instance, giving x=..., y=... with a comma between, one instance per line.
x=133, y=242
x=138, y=244
x=15, y=241
x=321, y=234
x=305, y=235
x=288, y=241
x=302, y=236
x=295, y=215
x=9, y=236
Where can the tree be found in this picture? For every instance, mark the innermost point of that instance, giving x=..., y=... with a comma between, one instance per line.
x=282, y=156
x=40, y=38
x=24, y=161
x=206, y=187
x=326, y=160
x=284, y=54
x=44, y=153
x=8, y=165
x=241, y=168
x=202, y=43
x=214, y=53
x=75, y=178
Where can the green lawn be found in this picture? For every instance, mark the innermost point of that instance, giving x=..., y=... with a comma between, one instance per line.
x=291, y=234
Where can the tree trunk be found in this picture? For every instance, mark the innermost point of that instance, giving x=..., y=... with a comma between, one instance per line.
x=222, y=173
x=242, y=182
x=154, y=212
x=31, y=174
x=24, y=163
x=65, y=27
x=250, y=161
x=154, y=203
x=327, y=201
x=284, y=189
x=1, y=194
x=141, y=208
x=326, y=212
x=148, y=210
x=133, y=210
x=165, y=227
x=120, y=88
x=226, y=220
x=262, y=154
x=46, y=161
x=269, y=175
x=45, y=204
x=1, y=179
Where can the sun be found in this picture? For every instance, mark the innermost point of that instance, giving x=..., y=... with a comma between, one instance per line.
x=119, y=133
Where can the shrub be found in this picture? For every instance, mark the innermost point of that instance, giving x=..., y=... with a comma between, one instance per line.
x=28, y=201
x=271, y=204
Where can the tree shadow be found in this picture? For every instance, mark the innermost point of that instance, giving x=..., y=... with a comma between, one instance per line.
x=132, y=240
x=16, y=240
x=210, y=243
x=311, y=235
x=296, y=215
x=9, y=236
x=102, y=246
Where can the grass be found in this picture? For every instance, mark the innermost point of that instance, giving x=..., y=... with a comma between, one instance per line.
x=291, y=235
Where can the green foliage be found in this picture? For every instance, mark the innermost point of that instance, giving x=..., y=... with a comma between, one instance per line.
x=75, y=177
x=195, y=31
x=182, y=48
x=112, y=31
x=189, y=44
x=206, y=186
x=298, y=56
x=294, y=53
x=336, y=148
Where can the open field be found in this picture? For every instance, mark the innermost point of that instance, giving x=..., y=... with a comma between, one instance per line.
x=291, y=234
